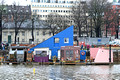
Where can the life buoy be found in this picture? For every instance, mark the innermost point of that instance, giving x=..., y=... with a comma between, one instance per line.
x=83, y=53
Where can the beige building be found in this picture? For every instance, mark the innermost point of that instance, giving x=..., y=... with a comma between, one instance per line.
x=44, y=7
x=25, y=35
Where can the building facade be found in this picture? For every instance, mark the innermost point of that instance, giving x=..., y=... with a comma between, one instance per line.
x=20, y=12
x=44, y=7
x=25, y=35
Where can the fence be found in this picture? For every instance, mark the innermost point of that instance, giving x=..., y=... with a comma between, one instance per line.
x=95, y=41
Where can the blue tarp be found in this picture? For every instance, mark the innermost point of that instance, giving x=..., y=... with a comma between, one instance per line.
x=82, y=54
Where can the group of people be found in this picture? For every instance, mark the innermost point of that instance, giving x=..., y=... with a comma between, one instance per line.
x=85, y=47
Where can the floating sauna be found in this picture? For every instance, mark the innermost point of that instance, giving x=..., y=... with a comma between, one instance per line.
x=70, y=53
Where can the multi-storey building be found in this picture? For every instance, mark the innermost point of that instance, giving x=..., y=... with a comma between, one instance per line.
x=20, y=12
x=44, y=7
x=25, y=35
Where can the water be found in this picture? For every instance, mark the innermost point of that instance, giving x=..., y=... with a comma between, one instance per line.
x=58, y=72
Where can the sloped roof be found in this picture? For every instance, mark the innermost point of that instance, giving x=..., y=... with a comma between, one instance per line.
x=65, y=34
x=26, y=24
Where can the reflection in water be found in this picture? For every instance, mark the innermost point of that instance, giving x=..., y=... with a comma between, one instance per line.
x=66, y=72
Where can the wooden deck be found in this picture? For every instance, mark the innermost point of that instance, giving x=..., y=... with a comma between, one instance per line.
x=57, y=63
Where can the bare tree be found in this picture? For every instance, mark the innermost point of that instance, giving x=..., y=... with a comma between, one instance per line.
x=35, y=20
x=115, y=21
x=96, y=9
x=56, y=23
x=108, y=18
x=79, y=15
x=19, y=15
x=2, y=6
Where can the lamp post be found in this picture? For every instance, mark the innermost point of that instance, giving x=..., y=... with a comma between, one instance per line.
x=0, y=27
x=110, y=50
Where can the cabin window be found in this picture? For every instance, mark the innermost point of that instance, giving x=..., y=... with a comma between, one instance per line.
x=62, y=53
x=56, y=40
x=41, y=53
x=67, y=53
x=66, y=40
x=71, y=53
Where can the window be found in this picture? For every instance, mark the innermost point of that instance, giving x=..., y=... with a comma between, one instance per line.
x=43, y=39
x=67, y=53
x=62, y=53
x=66, y=40
x=23, y=33
x=5, y=33
x=5, y=40
x=37, y=40
x=11, y=33
x=23, y=40
x=37, y=33
x=43, y=33
x=56, y=40
x=71, y=53
x=41, y=53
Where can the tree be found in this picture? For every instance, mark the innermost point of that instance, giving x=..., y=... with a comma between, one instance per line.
x=2, y=6
x=56, y=23
x=19, y=15
x=34, y=20
x=96, y=10
x=115, y=22
x=108, y=18
x=79, y=15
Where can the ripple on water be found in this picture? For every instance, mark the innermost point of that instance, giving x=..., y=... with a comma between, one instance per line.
x=52, y=72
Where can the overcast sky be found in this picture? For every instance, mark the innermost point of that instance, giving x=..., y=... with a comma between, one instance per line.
x=22, y=2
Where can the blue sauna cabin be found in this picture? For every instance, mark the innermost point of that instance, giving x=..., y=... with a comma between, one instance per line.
x=54, y=43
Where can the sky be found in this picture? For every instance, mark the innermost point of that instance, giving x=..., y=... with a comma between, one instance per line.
x=23, y=2
x=10, y=2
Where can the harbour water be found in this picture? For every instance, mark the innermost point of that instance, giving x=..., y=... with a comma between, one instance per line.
x=60, y=72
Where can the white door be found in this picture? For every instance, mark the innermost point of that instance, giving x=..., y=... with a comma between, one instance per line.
x=58, y=54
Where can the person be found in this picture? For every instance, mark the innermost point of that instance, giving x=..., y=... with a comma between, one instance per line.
x=81, y=46
x=88, y=46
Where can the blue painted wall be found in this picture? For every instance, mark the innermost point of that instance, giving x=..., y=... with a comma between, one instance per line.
x=54, y=47
x=82, y=54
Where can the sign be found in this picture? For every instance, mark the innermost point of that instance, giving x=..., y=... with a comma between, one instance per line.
x=99, y=40
x=9, y=38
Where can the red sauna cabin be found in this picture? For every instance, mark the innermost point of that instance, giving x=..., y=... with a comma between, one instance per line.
x=70, y=53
